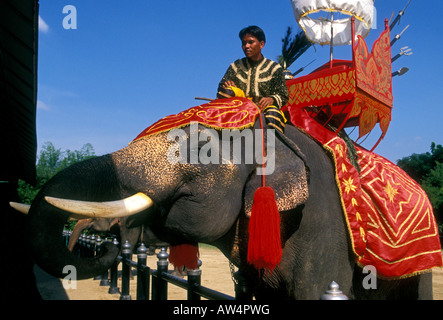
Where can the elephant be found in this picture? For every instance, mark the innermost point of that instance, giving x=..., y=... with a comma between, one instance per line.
x=121, y=228
x=98, y=225
x=188, y=203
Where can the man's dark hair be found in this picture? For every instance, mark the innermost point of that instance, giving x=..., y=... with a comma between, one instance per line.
x=253, y=31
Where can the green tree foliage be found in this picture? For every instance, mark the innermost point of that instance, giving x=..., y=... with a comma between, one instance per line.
x=433, y=185
x=418, y=166
x=427, y=170
x=50, y=161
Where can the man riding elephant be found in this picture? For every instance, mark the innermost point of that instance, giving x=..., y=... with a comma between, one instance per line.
x=256, y=77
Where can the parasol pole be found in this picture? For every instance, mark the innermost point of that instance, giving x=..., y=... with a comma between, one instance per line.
x=353, y=40
x=332, y=40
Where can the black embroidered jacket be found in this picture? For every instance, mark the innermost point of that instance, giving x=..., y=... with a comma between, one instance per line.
x=259, y=79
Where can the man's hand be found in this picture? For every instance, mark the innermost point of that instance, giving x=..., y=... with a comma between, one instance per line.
x=229, y=83
x=265, y=102
x=226, y=90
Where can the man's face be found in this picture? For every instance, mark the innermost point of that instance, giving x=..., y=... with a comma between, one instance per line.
x=252, y=47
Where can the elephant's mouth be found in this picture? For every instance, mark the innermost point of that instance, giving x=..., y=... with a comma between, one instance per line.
x=109, y=209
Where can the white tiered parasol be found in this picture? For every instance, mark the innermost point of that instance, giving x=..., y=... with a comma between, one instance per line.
x=328, y=22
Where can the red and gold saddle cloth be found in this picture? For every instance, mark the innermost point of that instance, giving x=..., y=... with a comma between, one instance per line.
x=233, y=113
x=389, y=216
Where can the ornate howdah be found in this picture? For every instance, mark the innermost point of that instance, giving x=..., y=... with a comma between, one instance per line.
x=350, y=93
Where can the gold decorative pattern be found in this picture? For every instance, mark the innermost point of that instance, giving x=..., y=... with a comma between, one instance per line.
x=233, y=113
x=319, y=90
x=371, y=112
x=389, y=216
x=374, y=73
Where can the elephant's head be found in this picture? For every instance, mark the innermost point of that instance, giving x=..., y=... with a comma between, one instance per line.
x=185, y=189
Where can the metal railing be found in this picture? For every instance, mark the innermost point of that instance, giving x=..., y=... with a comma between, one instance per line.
x=152, y=284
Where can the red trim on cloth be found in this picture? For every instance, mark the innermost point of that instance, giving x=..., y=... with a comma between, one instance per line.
x=389, y=217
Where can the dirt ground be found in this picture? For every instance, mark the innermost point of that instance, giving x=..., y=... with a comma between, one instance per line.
x=216, y=275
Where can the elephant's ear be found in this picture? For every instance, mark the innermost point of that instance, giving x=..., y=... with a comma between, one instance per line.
x=288, y=179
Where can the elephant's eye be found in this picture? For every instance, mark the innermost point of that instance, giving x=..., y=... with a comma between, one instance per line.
x=182, y=192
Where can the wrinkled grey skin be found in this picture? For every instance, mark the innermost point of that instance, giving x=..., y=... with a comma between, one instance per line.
x=209, y=204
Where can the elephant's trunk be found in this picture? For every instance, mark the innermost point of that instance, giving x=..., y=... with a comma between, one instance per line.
x=92, y=180
x=51, y=253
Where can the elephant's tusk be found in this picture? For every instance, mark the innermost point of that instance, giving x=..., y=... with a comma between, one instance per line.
x=24, y=208
x=110, y=209
x=20, y=207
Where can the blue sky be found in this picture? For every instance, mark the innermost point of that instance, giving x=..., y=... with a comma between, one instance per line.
x=131, y=63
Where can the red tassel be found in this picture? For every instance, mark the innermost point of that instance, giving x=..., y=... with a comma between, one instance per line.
x=264, y=248
x=184, y=255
